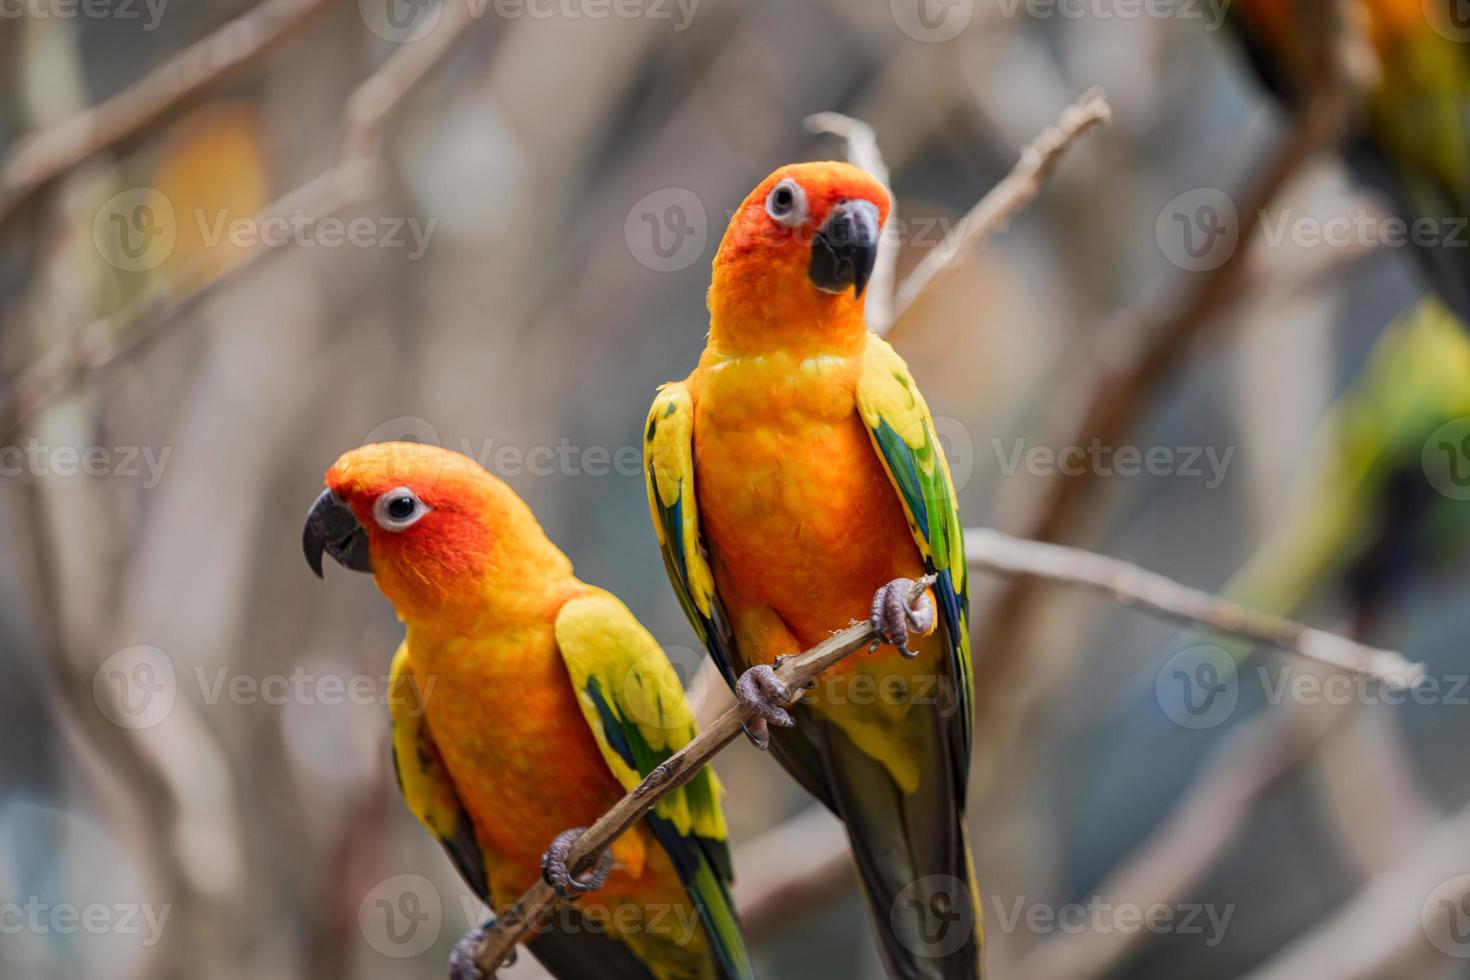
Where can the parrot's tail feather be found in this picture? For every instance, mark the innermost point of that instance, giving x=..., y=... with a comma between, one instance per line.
x=578, y=951
x=703, y=866
x=914, y=861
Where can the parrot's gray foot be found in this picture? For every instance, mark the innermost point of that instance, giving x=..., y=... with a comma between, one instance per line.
x=892, y=615
x=760, y=690
x=555, y=872
x=462, y=965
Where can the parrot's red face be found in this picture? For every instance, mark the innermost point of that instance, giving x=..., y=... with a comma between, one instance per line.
x=418, y=517
x=797, y=256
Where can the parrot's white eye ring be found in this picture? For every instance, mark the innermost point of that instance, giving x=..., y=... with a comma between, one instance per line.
x=398, y=509
x=786, y=204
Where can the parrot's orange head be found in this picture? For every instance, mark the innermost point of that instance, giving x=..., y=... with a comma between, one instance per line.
x=430, y=524
x=796, y=258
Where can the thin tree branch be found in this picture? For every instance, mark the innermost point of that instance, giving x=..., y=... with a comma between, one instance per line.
x=1133, y=371
x=353, y=180
x=995, y=209
x=42, y=157
x=1130, y=585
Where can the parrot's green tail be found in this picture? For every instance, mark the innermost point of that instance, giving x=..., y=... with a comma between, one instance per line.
x=914, y=860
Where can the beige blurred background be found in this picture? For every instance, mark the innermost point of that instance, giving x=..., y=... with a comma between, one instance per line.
x=193, y=739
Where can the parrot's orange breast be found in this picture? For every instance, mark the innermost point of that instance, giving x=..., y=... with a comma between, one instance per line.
x=796, y=508
x=504, y=715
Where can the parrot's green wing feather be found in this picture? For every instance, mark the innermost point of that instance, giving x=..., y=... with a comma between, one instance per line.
x=424, y=781
x=904, y=437
x=668, y=466
x=632, y=699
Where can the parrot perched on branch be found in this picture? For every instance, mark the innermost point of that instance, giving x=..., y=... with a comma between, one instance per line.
x=792, y=475
x=525, y=703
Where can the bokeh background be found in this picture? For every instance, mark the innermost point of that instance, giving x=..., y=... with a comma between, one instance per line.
x=194, y=770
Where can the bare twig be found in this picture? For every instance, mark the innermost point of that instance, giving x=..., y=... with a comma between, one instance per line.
x=995, y=209
x=1130, y=585
x=1131, y=374
x=40, y=158
x=353, y=180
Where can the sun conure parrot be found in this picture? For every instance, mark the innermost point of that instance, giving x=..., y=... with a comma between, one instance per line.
x=796, y=483
x=525, y=703
x=1374, y=519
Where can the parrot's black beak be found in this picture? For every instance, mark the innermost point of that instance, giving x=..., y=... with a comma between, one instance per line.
x=332, y=528
x=844, y=250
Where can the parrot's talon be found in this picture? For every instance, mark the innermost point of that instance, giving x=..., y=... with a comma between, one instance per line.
x=463, y=963
x=554, y=870
x=760, y=690
x=893, y=616
x=781, y=658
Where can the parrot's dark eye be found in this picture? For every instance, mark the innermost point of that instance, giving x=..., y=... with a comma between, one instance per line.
x=398, y=509
x=787, y=203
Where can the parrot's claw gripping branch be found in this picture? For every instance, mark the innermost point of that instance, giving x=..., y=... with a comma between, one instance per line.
x=895, y=612
x=556, y=872
x=760, y=690
x=462, y=965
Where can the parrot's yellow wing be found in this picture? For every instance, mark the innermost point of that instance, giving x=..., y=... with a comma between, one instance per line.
x=668, y=464
x=904, y=437
x=632, y=699
x=424, y=781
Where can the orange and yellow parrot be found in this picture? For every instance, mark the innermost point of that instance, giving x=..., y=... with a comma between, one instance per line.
x=796, y=484
x=524, y=703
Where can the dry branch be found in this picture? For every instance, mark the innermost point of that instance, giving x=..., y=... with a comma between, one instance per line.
x=41, y=158
x=1138, y=365
x=1130, y=585
x=995, y=209
x=354, y=179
